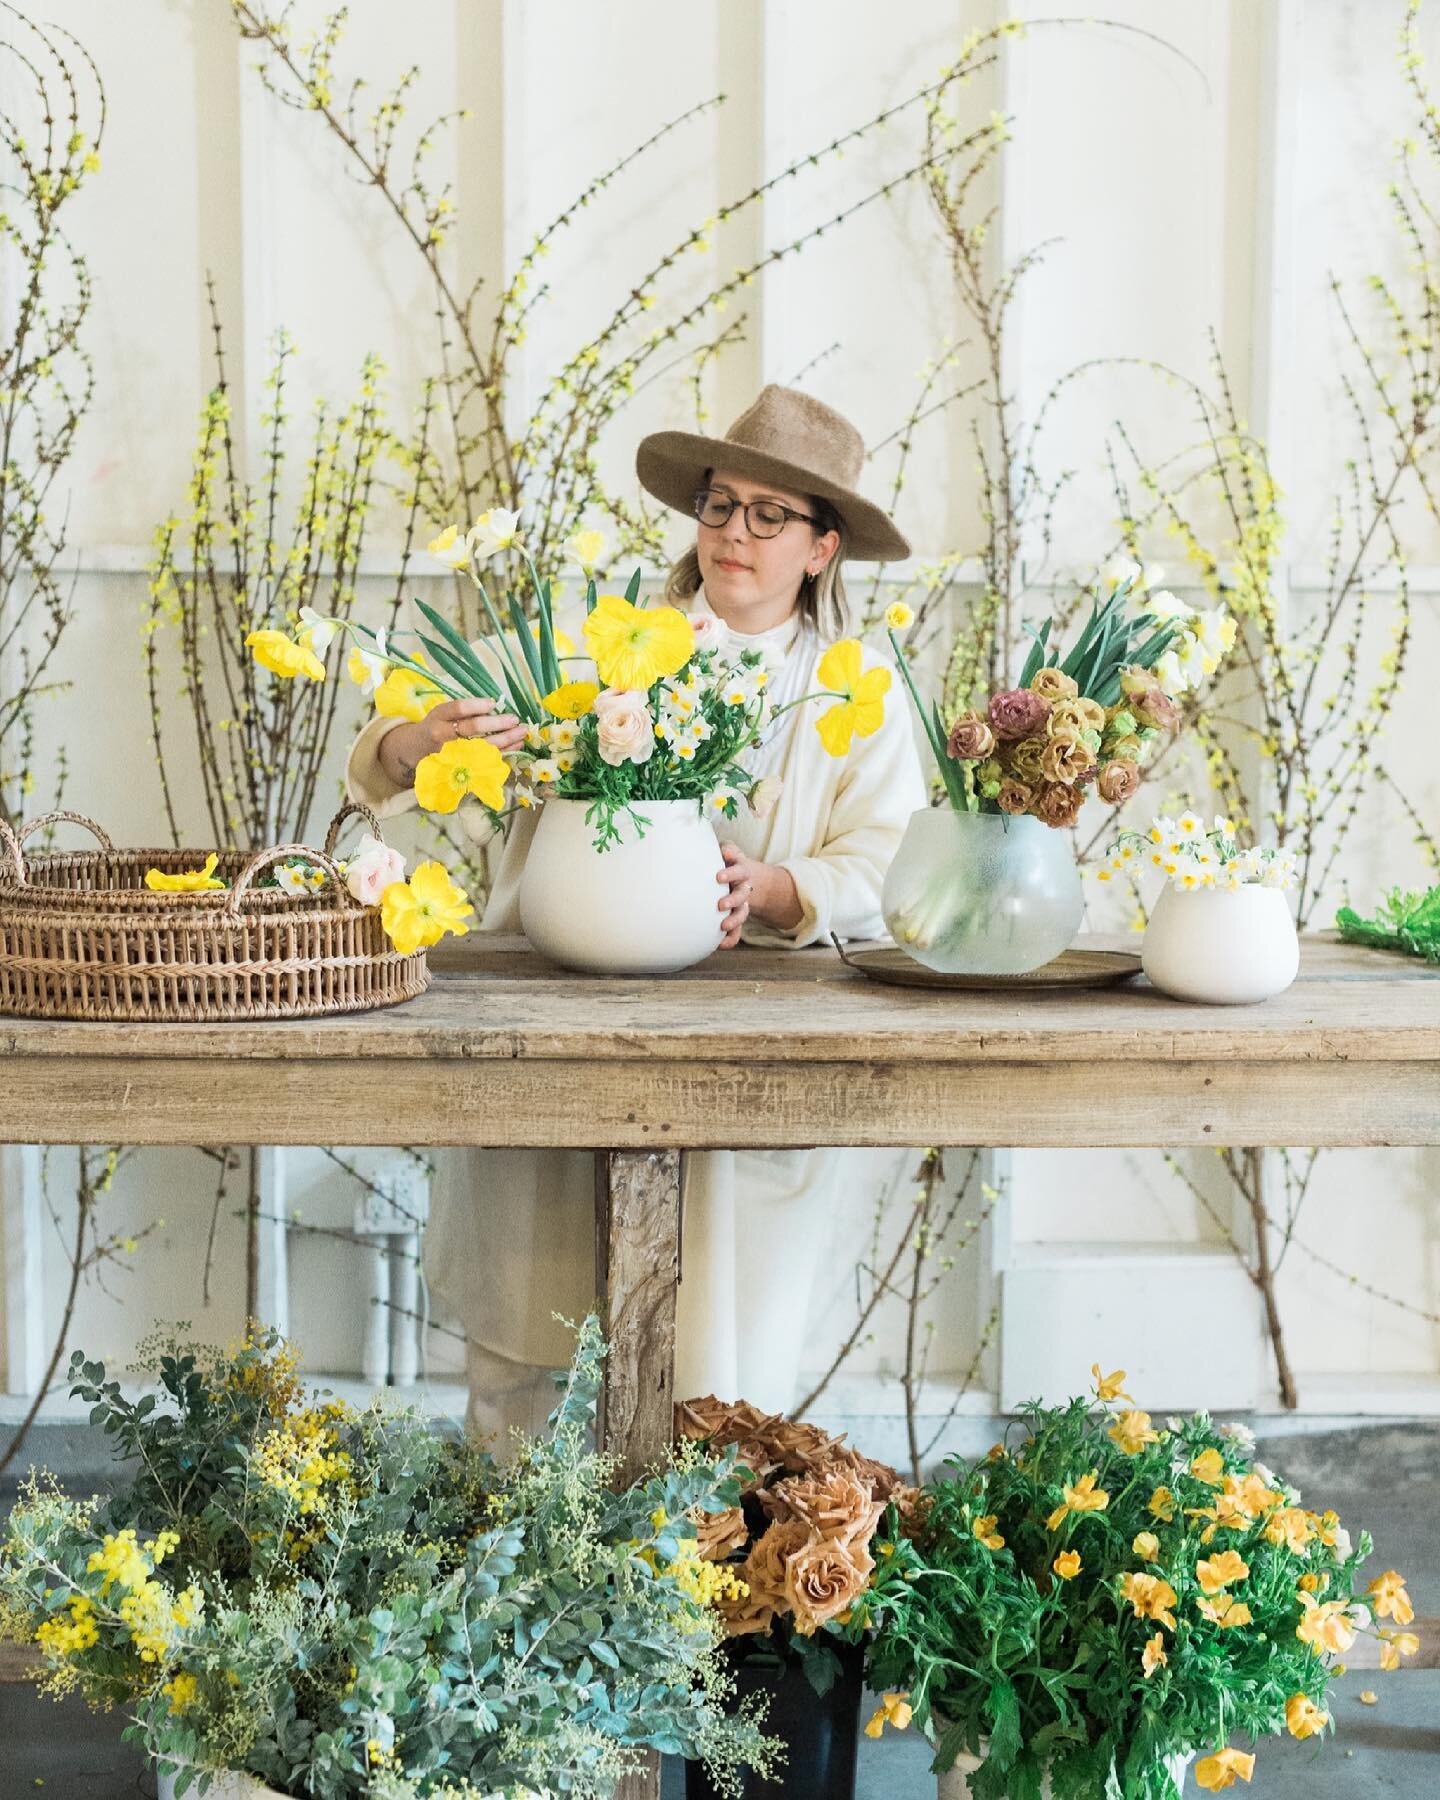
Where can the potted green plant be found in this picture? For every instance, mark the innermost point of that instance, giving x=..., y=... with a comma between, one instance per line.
x=1082, y=1612
x=290, y=1597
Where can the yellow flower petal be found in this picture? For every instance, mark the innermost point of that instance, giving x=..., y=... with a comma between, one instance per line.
x=281, y=655
x=635, y=646
x=404, y=694
x=421, y=911
x=463, y=766
x=572, y=700
x=193, y=881
x=1218, y=1772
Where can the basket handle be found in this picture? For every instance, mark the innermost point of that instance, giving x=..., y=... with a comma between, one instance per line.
x=332, y=836
x=11, y=846
x=13, y=842
x=262, y=860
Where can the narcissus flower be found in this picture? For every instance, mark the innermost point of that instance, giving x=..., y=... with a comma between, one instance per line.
x=564, y=643
x=366, y=669
x=406, y=694
x=463, y=766
x=281, y=655
x=585, y=548
x=450, y=548
x=635, y=646
x=1151, y=1597
x=419, y=912
x=493, y=531
x=1303, y=1718
x=1392, y=1601
x=861, y=710
x=191, y=881
x=899, y=617
x=572, y=700
x=1067, y=1564
x=1218, y=1772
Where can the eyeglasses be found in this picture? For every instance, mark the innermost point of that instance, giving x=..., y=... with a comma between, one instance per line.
x=763, y=518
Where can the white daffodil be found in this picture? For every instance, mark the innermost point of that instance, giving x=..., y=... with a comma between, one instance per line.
x=449, y=548
x=1172, y=678
x=563, y=734
x=1167, y=607
x=1215, y=631
x=1121, y=571
x=544, y=771
x=586, y=549
x=1190, y=826
x=319, y=632
x=291, y=879
x=492, y=532
x=1152, y=576
x=366, y=669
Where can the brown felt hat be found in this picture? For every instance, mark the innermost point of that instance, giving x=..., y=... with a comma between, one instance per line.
x=785, y=437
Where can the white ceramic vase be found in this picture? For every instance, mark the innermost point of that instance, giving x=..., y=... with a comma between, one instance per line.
x=982, y=893
x=1223, y=946
x=954, y=1784
x=648, y=905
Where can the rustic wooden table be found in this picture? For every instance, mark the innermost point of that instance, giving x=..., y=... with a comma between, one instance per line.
x=753, y=1048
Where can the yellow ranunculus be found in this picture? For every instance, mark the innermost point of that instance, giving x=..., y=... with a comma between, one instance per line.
x=572, y=700
x=861, y=710
x=635, y=646
x=194, y=881
x=419, y=912
x=1084, y=1496
x=1225, y=1612
x=1394, y=1645
x=1067, y=1564
x=1215, y=1773
x=281, y=655
x=1290, y=1526
x=894, y=1709
x=463, y=766
x=1153, y=1655
x=1303, y=1718
x=1325, y=1625
x=898, y=616
x=1131, y=1432
x=404, y=694
x=1162, y=1504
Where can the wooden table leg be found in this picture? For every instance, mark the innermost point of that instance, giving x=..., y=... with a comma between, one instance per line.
x=637, y=1271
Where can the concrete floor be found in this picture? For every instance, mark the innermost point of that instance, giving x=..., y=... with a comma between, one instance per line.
x=1386, y=1478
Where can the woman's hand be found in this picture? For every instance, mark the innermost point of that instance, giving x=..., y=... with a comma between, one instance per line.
x=755, y=890
x=404, y=749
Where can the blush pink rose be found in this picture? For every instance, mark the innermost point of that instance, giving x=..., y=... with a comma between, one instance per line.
x=373, y=868
x=627, y=731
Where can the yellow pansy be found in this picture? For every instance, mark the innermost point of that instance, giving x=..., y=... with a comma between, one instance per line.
x=635, y=646
x=899, y=617
x=281, y=655
x=1131, y=1432
x=463, y=766
x=1392, y=1600
x=1162, y=1504
x=1224, y=1612
x=1153, y=1655
x=1303, y=1718
x=191, y=881
x=1394, y=1645
x=1217, y=1572
x=419, y=912
x=861, y=710
x=1146, y=1546
x=1109, y=1387
x=1067, y=1564
x=572, y=700
x=1290, y=1526
x=1325, y=1625
x=1218, y=1772
x=1084, y=1496
x=987, y=1534
x=406, y=694
x=1209, y=1467
x=1151, y=1596
x=894, y=1709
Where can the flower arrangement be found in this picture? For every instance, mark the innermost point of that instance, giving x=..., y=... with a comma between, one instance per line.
x=800, y=1538
x=341, y=1603
x=1109, y=1595
x=1409, y=922
x=1035, y=749
x=669, y=718
x=1193, y=856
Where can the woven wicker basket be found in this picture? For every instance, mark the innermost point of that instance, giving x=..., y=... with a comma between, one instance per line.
x=82, y=937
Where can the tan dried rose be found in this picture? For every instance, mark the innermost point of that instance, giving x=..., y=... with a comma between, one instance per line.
x=1066, y=759
x=751, y=1612
x=1025, y=760
x=1015, y=796
x=913, y=1506
x=1077, y=715
x=1119, y=780
x=1053, y=684
x=801, y=1448
x=723, y=1421
x=879, y=1477
x=763, y=1570
x=719, y=1533
x=836, y=1504
x=971, y=739
x=823, y=1578
x=1058, y=804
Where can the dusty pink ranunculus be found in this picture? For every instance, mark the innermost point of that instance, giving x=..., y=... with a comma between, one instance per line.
x=373, y=868
x=626, y=731
x=1017, y=713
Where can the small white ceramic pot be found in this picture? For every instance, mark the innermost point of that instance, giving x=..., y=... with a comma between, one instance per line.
x=648, y=905
x=1224, y=946
x=225, y=1786
x=954, y=1784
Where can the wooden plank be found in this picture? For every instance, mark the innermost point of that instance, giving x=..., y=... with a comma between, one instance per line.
x=708, y=1104
x=20, y=1662
x=637, y=1270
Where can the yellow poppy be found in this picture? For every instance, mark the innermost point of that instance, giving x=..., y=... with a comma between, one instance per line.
x=1084, y=1496
x=406, y=694
x=193, y=881
x=1111, y=1386
x=861, y=710
x=572, y=700
x=1225, y=1612
x=1146, y=1546
x=1209, y=1467
x=634, y=646
x=281, y=655
x=463, y=766
x=1162, y=1504
x=419, y=912
x=894, y=1709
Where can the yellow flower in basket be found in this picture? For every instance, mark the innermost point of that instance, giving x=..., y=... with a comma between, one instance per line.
x=419, y=912
x=191, y=881
x=861, y=711
x=281, y=655
x=633, y=646
x=463, y=766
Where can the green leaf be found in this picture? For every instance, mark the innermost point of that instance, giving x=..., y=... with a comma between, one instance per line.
x=1002, y=1707
x=632, y=590
x=461, y=650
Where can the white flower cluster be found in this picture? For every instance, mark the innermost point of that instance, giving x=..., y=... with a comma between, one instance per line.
x=1207, y=638
x=1192, y=855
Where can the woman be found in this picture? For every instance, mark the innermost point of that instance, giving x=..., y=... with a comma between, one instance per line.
x=511, y=1236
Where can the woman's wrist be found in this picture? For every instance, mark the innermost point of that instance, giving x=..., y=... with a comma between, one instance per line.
x=400, y=755
x=775, y=899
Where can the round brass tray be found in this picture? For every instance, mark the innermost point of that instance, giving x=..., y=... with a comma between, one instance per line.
x=1075, y=968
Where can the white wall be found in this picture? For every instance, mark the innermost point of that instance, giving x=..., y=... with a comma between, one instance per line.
x=1172, y=217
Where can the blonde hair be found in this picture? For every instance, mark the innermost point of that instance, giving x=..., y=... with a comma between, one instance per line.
x=821, y=600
